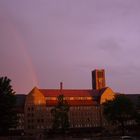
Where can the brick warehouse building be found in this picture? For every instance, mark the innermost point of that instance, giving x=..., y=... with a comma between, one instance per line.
x=34, y=109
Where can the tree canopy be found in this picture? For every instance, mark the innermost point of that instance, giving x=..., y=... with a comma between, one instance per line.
x=7, y=106
x=60, y=114
x=138, y=112
x=119, y=110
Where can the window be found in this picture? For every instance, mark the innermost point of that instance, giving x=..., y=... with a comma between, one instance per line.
x=89, y=98
x=42, y=126
x=28, y=114
x=100, y=74
x=53, y=98
x=71, y=98
x=39, y=108
x=32, y=108
x=48, y=98
x=32, y=115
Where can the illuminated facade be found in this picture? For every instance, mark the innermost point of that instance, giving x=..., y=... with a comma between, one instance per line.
x=85, y=105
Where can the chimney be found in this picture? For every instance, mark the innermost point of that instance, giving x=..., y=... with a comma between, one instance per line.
x=61, y=86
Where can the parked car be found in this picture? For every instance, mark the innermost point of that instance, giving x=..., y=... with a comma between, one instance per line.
x=126, y=138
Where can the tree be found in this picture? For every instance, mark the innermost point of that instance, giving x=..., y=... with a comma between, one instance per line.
x=138, y=103
x=118, y=111
x=7, y=106
x=138, y=111
x=60, y=114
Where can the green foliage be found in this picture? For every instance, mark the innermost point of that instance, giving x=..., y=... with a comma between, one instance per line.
x=60, y=114
x=7, y=106
x=119, y=110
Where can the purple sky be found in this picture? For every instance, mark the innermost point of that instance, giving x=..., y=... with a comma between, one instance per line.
x=43, y=42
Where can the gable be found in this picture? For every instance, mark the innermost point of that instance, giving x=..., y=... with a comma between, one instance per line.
x=108, y=94
x=35, y=97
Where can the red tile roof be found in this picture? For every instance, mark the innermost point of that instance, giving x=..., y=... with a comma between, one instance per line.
x=68, y=92
x=71, y=93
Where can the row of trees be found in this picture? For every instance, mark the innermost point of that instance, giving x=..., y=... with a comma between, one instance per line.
x=120, y=111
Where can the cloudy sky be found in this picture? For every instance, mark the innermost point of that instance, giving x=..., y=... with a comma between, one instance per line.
x=43, y=42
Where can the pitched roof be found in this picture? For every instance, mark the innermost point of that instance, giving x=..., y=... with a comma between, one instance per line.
x=74, y=93
x=68, y=92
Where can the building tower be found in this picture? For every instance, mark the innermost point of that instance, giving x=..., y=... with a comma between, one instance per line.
x=98, y=79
